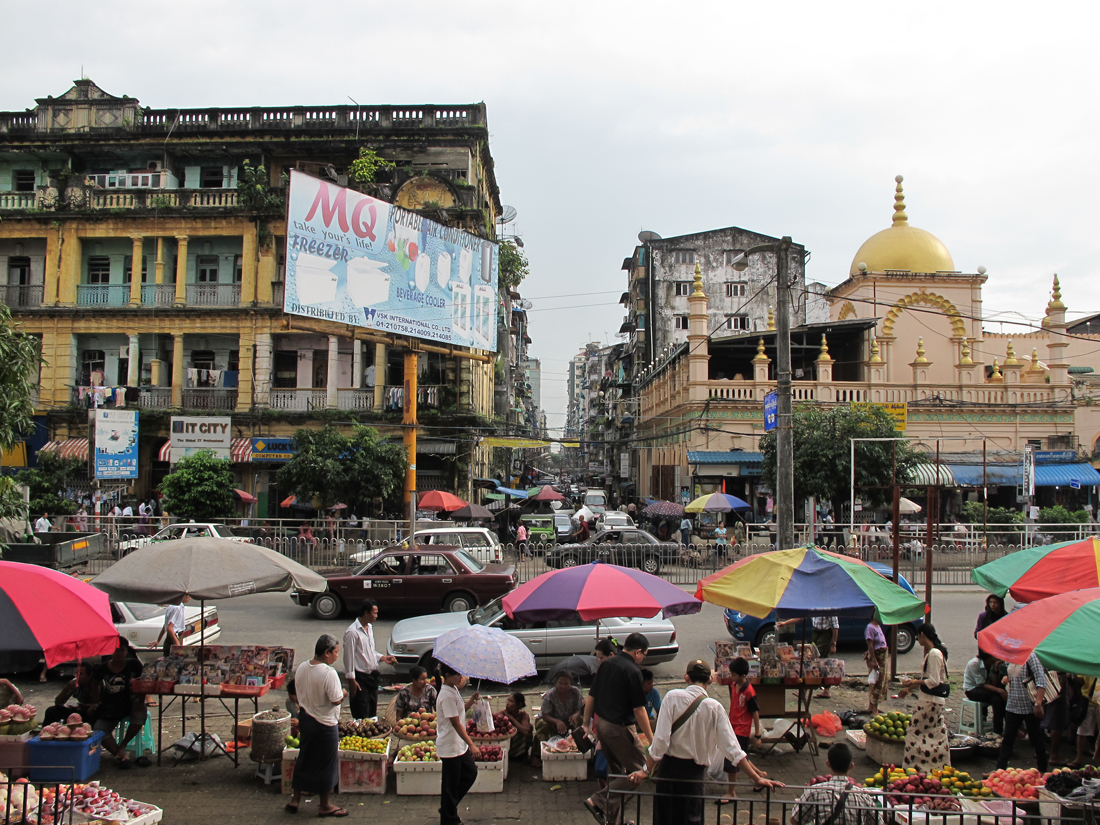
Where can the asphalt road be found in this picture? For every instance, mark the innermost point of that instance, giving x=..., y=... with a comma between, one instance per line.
x=271, y=618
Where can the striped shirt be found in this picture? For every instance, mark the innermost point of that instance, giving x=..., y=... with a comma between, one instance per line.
x=1019, y=701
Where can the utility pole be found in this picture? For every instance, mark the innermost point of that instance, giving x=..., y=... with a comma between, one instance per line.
x=785, y=425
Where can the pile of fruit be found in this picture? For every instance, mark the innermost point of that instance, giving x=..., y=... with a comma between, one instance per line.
x=960, y=782
x=817, y=780
x=1015, y=783
x=563, y=745
x=74, y=728
x=365, y=728
x=905, y=786
x=991, y=740
x=17, y=719
x=292, y=741
x=418, y=726
x=503, y=728
x=885, y=776
x=361, y=744
x=890, y=726
x=1065, y=781
x=92, y=800
x=14, y=795
x=423, y=752
x=490, y=753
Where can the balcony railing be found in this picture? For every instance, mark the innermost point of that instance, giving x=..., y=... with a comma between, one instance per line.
x=298, y=400
x=21, y=296
x=155, y=398
x=213, y=295
x=102, y=295
x=209, y=398
x=158, y=295
x=360, y=400
x=159, y=198
x=18, y=200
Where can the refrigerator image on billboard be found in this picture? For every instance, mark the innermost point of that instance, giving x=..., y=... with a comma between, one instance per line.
x=357, y=260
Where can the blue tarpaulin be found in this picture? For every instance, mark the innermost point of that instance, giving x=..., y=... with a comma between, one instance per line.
x=1061, y=475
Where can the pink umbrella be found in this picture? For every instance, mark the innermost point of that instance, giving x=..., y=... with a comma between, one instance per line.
x=547, y=493
x=440, y=500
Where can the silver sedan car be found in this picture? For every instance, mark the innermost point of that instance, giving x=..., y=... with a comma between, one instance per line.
x=412, y=640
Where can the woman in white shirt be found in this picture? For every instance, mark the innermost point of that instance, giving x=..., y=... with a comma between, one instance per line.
x=453, y=745
x=320, y=694
x=926, y=743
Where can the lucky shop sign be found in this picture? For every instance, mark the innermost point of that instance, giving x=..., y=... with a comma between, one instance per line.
x=356, y=260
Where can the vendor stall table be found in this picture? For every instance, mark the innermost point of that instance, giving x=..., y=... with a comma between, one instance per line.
x=234, y=712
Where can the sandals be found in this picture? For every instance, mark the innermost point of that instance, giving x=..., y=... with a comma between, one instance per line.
x=334, y=812
x=597, y=814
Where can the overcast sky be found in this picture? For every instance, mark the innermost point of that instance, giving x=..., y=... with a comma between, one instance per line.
x=608, y=118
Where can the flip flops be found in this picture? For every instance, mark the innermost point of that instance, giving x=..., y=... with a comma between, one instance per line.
x=334, y=812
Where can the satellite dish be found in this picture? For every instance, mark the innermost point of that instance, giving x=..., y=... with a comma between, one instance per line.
x=646, y=235
x=508, y=214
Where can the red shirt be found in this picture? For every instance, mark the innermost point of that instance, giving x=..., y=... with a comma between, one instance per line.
x=742, y=706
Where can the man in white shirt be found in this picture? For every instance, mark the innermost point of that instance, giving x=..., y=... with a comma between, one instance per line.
x=43, y=524
x=361, y=663
x=175, y=620
x=692, y=730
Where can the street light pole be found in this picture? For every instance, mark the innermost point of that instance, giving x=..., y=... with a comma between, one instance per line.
x=784, y=473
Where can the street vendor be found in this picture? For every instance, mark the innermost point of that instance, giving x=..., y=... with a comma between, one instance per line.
x=520, y=744
x=562, y=708
x=418, y=694
x=117, y=701
x=80, y=695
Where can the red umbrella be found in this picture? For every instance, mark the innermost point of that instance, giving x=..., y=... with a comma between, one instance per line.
x=547, y=493
x=439, y=500
x=42, y=609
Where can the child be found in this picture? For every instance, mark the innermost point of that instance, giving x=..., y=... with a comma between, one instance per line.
x=521, y=739
x=652, y=696
x=744, y=715
x=292, y=699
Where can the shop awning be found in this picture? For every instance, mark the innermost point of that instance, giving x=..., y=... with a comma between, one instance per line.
x=435, y=447
x=68, y=448
x=724, y=457
x=1063, y=475
x=240, y=451
x=243, y=496
x=513, y=493
x=996, y=475
x=924, y=475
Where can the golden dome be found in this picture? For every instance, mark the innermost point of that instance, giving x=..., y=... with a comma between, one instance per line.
x=902, y=247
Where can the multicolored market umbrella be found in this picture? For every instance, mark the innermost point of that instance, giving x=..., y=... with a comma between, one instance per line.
x=42, y=609
x=1061, y=630
x=439, y=500
x=716, y=503
x=1042, y=572
x=598, y=591
x=485, y=653
x=808, y=581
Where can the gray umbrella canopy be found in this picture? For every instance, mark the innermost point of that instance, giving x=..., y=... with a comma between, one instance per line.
x=203, y=568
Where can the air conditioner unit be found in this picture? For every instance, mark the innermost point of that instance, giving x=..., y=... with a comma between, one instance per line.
x=155, y=166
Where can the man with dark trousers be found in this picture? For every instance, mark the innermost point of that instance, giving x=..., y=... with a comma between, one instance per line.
x=361, y=663
x=618, y=702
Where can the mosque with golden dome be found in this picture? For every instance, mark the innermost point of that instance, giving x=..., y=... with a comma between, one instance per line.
x=904, y=329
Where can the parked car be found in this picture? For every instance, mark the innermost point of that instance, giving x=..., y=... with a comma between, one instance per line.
x=627, y=546
x=442, y=577
x=615, y=518
x=563, y=527
x=412, y=640
x=184, y=530
x=747, y=628
x=479, y=542
x=540, y=528
x=142, y=623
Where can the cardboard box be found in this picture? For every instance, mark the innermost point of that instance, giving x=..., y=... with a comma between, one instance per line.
x=243, y=731
x=363, y=772
x=289, y=757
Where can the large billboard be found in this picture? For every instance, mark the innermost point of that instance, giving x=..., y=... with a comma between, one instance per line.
x=356, y=260
x=193, y=434
x=116, y=444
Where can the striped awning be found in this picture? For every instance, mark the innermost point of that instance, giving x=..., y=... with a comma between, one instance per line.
x=68, y=448
x=924, y=475
x=240, y=451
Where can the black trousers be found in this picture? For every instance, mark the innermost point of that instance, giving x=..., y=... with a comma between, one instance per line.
x=365, y=701
x=459, y=775
x=1034, y=733
x=995, y=700
x=679, y=792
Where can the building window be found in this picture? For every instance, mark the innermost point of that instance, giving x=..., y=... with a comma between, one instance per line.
x=234, y=364
x=736, y=289
x=207, y=269
x=683, y=256
x=683, y=288
x=681, y=321
x=19, y=271
x=731, y=255
x=91, y=360
x=99, y=269
x=286, y=370
x=128, y=268
x=238, y=272
x=738, y=322
x=211, y=177
x=22, y=180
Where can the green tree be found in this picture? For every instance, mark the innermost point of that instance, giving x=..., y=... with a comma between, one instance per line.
x=364, y=169
x=822, y=457
x=200, y=488
x=513, y=266
x=20, y=358
x=49, y=481
x=330, y=467
x=254, y=188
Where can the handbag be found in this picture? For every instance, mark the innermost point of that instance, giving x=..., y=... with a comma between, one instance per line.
x=940, y=691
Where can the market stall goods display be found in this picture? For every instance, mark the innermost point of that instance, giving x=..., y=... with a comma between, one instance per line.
x=73, y=728
x=364, y=728
x=891, y=726
x=423, y=752
x=490, y=753
x=960, y=782
x=774, y=664
x=1065, y=781
x=1015, y=783
x=359, y=744
x=236, y=670
x=417, y=726
x=71, y=803
x=17, y=719
x=502, y=728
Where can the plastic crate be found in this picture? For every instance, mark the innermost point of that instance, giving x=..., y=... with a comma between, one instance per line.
x=246, y=690
x=563, y=767
x=1052, y=806
x=13, y=756
x=363, y=772
x=490, y=777
x=47, y=758
x=419, y=778
x=278, y=681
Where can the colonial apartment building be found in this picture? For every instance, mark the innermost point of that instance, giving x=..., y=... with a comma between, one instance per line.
x=154, y=281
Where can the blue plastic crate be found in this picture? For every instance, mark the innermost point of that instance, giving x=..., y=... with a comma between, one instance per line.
x=49, y=759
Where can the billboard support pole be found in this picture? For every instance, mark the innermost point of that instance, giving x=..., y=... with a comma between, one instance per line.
x=409, y=423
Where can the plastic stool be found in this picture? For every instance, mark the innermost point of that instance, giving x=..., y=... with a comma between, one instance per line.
x=269, y=771
x=142, y=742
x=977, y=711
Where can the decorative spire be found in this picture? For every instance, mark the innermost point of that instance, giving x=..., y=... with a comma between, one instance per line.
x=771, y=318
x=823, y=355
x=1035, y=366
x=920, y=351
x=1056, y=302
x=966, y=360
x=876, y=358
x=996, y=377
x=760, y=357
x=900, y=218
x=698, y=282
x=1010, y=356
